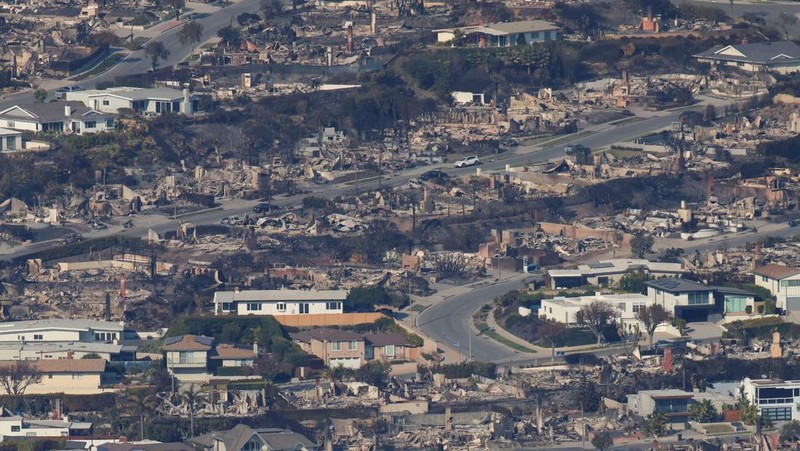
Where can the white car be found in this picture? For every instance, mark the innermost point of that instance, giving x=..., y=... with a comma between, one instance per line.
x=467, y=161
x=415, y=184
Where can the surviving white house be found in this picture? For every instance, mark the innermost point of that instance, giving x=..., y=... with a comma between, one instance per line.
x=781, y=56
x=776, y=399
x=31, y=350
x=504, y=34
x=689, y=300
x=279, y=302
x=563, y=309
x=607, y=272
x=56, y=117
x=783, y=282
x=16, y=426
x=60, y=330
x=139, y=100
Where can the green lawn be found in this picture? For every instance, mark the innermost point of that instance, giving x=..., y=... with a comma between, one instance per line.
x=483, y=329
x=104, y=65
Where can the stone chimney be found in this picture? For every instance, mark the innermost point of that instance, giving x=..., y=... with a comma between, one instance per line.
x=255, y=347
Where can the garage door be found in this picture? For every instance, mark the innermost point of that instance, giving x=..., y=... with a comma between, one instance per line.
x=793, y=305
x=354, y=363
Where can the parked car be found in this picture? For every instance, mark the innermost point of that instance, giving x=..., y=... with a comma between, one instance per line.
x=415, y=183
x=467, y=161
x=265, y=207
x=433, y=174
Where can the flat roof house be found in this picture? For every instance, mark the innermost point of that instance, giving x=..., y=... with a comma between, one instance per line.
x=17, y=426
x=783, y=282
x=504, y=34
x=56, y=117
x=689, y=300
x=607, y=272
x=776, y=399
x=140, y=100
x=781, y=56
x=674, y=403
x=279, y=302
x=563, y=309
x=60, y=330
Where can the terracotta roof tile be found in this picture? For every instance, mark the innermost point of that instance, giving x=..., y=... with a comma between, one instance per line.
x=777, y=272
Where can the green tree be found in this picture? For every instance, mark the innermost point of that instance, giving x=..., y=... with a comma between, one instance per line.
x=91, y=356
x=634, y=282
x=40, y=95
x=790, y=430
x=229, y=36
x=551, y=332
x=586, y=395
x=703, y=411
x=602, y=441
x=374, y=373
x=655, y=424
x=651, y=317
x=596, y=317
x=190, y=398
x=192, y=32
x=364, y=299
x=156, y=51
x=747, y=410
x=142, y=405
x=641, y=245
x=177, y=5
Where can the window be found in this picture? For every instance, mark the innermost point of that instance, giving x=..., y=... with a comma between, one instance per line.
x=109, y=123
x=621, y=306
x=21, y=337
x=227, y=306
x=49, y=376
x=389, y=350
x=186, y=357
x=105, y=102
x=10, y=124
x=254, y=444
x=790, y=283
x=658, y=292
x=38, y=337
x=353, y=345
x=698, y=297
x=336, y=345
x=15, y=428
x=90, y=124
x=281, y=306
x=77, y=376
x=11, y=143
x=777, y=413
x=303, y=308
x=253, y=306
x=764, y=279
x=638, y=308
x=333, y=305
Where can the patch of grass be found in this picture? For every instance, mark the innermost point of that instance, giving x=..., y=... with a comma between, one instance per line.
x=484, y=329
x=417, y=308
x=103, y=66
x=137, y=43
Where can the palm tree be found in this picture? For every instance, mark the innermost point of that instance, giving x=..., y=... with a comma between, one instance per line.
x=191, y=398
x=141, y=404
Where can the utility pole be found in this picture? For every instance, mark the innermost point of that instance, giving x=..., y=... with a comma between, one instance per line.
x=469, y=330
